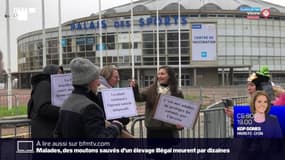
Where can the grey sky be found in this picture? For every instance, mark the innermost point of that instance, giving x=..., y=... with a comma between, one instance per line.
x=71, y=9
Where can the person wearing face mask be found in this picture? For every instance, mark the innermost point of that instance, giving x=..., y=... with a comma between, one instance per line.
x=42, y=113
x=80, y=117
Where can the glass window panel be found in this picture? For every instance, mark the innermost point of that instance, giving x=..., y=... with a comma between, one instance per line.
x=230, y=61
x=172, y=44
x=238, y=29
x=148, y=51
x=246, y=60
x=255, y=51
x=148, y=45
x=230, y=29
x=148, y=37
x=172, y=36
x=126, y=59
x=238, y=61
x=115, y=59
x=185, y=36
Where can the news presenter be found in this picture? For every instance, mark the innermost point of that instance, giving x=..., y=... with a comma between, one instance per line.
x=260, y=107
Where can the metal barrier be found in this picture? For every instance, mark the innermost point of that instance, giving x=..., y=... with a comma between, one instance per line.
x=10, y=128
x=212, y=122
x=22, y=99
x=4, y=100
x=240, y=101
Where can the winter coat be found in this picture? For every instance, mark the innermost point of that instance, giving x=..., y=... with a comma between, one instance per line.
x=80, y=117
x=42, y=113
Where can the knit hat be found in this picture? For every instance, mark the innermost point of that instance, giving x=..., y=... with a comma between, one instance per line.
x=83, y=71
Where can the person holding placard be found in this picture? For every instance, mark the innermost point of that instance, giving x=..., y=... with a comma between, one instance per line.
x=42, y=113
x=80, y=117
x=109, y=78
x=165, y=83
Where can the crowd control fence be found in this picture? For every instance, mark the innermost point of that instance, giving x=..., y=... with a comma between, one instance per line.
x=211, y=123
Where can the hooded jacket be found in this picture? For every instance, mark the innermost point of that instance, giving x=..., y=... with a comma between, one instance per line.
x=40, y=110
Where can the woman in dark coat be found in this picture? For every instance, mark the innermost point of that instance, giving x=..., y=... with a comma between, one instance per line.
x=43, y=114
x=165, y=84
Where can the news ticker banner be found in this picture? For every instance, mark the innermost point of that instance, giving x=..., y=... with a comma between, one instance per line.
x=245, y=127
x=46, y=149
x=25, y=149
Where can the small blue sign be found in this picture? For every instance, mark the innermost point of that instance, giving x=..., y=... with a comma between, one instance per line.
x=204, y=54
x=196, y=26
x=249, y=9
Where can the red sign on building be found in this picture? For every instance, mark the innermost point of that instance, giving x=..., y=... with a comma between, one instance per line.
x=265, y=13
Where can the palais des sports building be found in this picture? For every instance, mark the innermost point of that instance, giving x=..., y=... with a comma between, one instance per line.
x=222, y=41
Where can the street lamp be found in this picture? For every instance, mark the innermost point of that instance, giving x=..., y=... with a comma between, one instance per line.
x=7, y=16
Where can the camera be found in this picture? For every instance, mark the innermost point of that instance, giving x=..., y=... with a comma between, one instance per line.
x=227, y=102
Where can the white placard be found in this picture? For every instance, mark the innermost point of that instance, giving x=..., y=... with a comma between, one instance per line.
x=61, y=88
x=204, y=42
x=119, y=102
x=177, y=111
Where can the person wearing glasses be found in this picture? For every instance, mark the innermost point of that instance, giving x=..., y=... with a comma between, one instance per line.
x=109, y=78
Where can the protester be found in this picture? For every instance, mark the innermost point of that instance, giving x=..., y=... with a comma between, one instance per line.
x=109, y=78
x=259, y=81
x=279, y=93
x=81, y=117
x=251, y=89
x=42, y=113
x=166, y=84
x=263, y=82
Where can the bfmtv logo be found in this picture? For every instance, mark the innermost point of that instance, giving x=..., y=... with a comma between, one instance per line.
x=22, y=14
